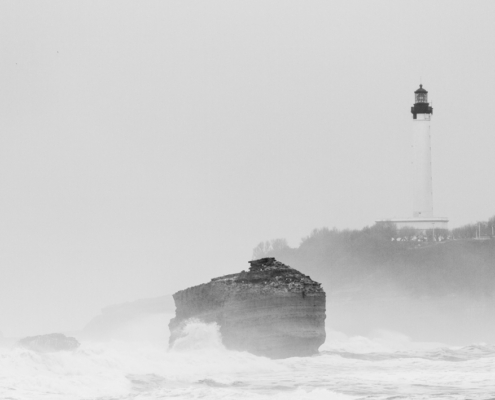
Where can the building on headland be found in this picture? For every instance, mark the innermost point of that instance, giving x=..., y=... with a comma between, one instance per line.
x=422, y=188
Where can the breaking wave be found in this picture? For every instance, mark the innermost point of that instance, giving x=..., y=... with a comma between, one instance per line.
x=382, y=365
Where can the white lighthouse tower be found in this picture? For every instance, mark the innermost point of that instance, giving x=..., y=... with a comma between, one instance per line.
x=421, y=160
x=422, y=186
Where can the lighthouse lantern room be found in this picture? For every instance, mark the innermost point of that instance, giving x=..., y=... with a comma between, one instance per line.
x=421, y=106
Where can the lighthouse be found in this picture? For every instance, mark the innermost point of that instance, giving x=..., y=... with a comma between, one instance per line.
x=421, y=155
x=423, y=218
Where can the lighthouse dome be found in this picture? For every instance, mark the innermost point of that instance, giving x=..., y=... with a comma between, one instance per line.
x=421, y=90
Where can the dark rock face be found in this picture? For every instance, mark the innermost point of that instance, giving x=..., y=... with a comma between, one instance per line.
x=272, y=310
x=49, y=343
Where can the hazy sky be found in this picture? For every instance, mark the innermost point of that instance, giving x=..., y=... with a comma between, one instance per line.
x=149, y=146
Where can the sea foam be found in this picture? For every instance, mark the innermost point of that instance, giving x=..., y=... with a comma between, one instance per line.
x=382, y=364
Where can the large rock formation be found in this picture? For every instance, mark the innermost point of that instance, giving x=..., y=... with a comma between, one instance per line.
x=272, y=310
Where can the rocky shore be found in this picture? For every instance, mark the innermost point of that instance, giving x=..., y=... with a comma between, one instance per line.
x=271, y=310
x=49, y=343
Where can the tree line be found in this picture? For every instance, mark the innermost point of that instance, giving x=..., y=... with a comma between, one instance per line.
x=381, y=254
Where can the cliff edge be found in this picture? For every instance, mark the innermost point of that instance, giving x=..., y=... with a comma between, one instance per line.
x=271, y=310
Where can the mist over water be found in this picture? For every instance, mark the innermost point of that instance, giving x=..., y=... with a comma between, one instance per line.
x=454, y=319
x=381, y=365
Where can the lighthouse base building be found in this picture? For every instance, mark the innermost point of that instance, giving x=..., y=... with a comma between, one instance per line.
x=422, y=218
x=420, y=224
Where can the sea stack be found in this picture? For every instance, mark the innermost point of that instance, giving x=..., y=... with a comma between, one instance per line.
x=271, y=310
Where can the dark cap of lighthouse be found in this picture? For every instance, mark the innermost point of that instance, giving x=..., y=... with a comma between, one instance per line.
x=421, y=105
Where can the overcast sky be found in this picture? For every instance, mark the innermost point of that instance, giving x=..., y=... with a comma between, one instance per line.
x=149, y=146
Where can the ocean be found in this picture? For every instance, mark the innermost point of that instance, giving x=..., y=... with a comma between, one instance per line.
x=382, y=365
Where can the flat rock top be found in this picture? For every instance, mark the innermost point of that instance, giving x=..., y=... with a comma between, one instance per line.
x=270, y=273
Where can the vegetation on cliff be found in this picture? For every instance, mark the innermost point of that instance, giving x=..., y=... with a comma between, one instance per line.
x=381, y=256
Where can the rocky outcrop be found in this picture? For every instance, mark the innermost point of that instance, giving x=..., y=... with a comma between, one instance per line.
x=49, y=343
x=271, y=310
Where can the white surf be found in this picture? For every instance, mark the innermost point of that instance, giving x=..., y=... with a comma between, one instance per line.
x=383, y=365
